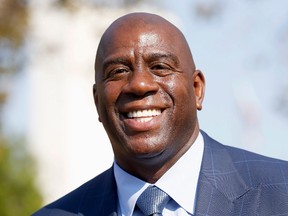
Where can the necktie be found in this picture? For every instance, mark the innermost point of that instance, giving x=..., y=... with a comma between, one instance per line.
x=152, y=201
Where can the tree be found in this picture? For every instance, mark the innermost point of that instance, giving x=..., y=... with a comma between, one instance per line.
x=18, y=191
x=19, y=195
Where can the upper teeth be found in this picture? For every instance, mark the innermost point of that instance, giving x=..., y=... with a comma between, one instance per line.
x=144, y=113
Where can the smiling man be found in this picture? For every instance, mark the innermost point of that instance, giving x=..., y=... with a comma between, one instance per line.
x=147, y=94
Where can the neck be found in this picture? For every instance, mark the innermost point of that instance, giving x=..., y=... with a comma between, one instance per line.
x=153, y=168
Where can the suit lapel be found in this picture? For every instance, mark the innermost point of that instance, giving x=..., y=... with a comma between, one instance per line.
x=221, y=189
x=101, y=197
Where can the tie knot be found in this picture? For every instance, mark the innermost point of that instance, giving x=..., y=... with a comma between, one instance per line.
x=152, y=201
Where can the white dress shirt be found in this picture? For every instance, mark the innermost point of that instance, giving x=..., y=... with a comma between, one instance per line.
x=179, y=182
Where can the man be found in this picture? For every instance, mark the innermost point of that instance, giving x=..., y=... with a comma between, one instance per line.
x=147, y=94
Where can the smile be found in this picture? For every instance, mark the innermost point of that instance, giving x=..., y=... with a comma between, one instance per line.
x=144, y=115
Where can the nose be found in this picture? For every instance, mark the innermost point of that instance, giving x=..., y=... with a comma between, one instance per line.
x=141, y=83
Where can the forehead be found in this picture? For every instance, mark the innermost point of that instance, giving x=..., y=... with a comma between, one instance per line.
x=137, y=37
x=137, y=40
x=127, y=37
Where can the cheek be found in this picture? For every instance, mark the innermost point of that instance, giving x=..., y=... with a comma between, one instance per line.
x=107, y=97
x=111, y=92
x=180, y=89
x=181, y=92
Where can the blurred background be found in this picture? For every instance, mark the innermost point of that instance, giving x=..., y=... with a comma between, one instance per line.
x=50, y=137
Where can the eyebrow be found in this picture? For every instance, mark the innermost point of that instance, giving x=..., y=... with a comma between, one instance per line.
x=115, y=61
x=150, y=57
x=156, y=56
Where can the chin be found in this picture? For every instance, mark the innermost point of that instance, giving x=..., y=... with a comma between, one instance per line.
x=146, y=150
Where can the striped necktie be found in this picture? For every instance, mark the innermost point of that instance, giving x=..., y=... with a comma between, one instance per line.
x=152, y=201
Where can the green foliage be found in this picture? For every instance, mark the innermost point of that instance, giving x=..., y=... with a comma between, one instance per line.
x=13, y=26
x=19, y=195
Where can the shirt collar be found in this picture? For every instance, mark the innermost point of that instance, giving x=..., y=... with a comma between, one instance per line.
x=179, y=182
x=129, y=189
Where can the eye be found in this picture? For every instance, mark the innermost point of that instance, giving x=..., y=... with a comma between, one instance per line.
x=119, y=71
x=161, y=69
x=116, y=73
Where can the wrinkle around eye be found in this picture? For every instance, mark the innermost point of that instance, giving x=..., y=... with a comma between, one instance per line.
x=163, y=69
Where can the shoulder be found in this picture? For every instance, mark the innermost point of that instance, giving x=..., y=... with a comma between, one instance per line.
x=256, y=169
x=70, y=204
x=260, y=169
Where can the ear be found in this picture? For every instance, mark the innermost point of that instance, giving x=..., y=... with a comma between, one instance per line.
x=199, y=88
x=95, y=96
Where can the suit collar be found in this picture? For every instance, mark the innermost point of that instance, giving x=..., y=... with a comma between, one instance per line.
x=220, y=186
x=219, y=169
x=105, y=202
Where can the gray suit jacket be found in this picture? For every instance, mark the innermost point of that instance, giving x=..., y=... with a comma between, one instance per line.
x=231, y=182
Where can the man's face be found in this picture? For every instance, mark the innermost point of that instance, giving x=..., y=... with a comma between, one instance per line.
x=146, y=93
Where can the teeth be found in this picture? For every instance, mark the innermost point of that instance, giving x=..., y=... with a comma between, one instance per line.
x=145, y=114
x=145, y=119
